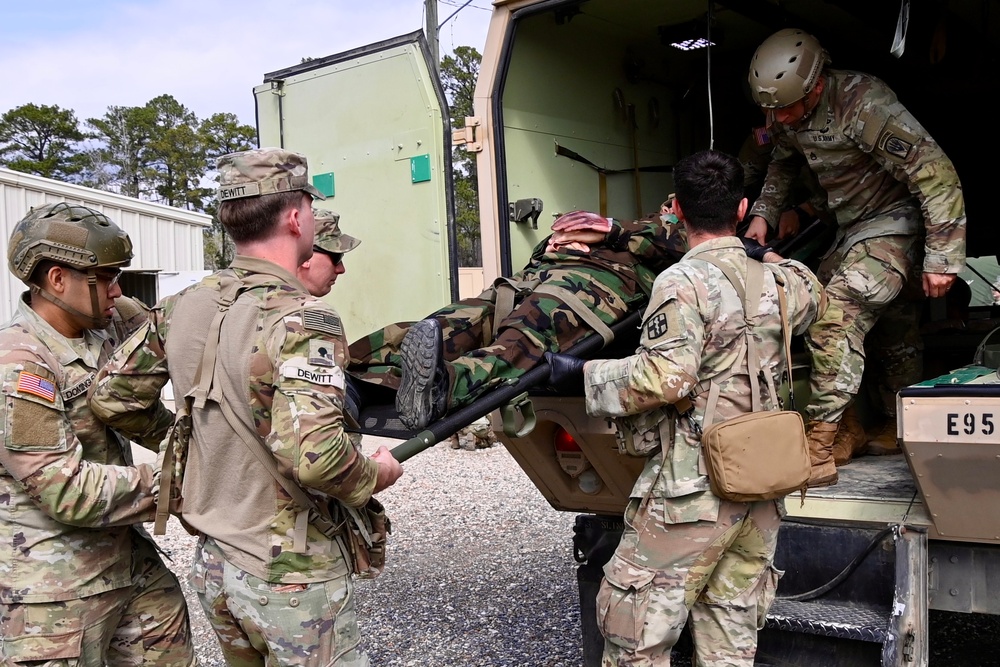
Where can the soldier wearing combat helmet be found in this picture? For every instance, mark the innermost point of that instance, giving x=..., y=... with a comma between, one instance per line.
x=261, y=362
x=897, y=202
x=68, y=489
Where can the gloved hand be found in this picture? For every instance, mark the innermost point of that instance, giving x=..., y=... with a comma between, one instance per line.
x=565, y=372
x=754, y=249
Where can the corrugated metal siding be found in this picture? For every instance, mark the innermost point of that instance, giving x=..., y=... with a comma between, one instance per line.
x=164, y=238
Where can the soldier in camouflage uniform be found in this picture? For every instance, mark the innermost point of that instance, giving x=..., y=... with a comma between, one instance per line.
x=80, y=582
x=685, y=552
x=896, y=197
x=461, y=351
x=319, y=272
x=275, y=585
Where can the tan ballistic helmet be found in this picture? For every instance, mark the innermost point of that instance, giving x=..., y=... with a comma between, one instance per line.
x=67, y=234
x=329, y=238
x=263, y=171
x=785, y=68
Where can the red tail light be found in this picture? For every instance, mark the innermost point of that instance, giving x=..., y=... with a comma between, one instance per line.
x=564, y=442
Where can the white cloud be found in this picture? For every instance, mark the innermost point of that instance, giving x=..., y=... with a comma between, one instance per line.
x=207, y=54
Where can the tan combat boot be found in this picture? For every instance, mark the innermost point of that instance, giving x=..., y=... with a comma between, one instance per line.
x=851, y=440
x=820, y=436
x=885, y=442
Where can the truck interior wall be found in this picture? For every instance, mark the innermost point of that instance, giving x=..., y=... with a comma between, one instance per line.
x=560, y=89
x=567, y=59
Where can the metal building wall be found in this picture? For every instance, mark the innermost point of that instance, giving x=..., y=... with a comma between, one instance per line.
x=164, y=238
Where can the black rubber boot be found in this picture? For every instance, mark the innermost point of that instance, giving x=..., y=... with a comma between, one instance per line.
x=422, y=394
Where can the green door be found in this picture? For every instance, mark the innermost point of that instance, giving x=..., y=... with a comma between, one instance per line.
x=373, y=123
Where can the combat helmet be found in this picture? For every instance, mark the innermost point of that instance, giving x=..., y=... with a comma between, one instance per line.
x=785, y=67
x=71, y=235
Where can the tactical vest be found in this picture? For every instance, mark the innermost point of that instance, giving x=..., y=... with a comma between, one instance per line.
x=228, y=492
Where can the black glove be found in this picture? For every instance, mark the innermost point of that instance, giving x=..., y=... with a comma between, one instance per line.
x=754, y=249
x=352, y=399
x=565, y=372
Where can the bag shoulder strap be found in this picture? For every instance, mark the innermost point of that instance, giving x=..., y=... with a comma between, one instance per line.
x=750, y=295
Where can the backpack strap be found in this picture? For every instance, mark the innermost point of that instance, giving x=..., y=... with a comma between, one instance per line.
x=203, y=390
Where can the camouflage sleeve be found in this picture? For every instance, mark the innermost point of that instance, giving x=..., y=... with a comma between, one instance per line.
x=893, y=137
x=126, y=394
x=775, y=196
x=804, y=292
x=654, y=242
x=665, y=368
x=41, y=450
x=307, y=418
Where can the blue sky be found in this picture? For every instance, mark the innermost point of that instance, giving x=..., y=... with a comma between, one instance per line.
x=88, y=54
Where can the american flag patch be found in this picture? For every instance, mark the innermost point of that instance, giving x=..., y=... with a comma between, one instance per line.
x=761, y=136
x=29, y=383
x=317, y=320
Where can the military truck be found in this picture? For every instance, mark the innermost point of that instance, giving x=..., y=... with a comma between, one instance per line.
x=586, y=104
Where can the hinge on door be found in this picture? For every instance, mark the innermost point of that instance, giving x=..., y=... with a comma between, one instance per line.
x=469, y=136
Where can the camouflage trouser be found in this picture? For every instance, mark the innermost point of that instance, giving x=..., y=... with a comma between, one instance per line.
x=873, y=292
x=142, y=624
x=259, y=623
x=720, y=573
x=480, y=355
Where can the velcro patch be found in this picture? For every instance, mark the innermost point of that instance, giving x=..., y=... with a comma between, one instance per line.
x=325, y=322
x=321, y=353
x=664, y=325
x=299, y=369
x=29, y=383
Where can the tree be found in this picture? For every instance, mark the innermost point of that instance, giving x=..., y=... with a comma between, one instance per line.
x=119, y=163
x=458, y=76
x=176, y=157
x=42, y=140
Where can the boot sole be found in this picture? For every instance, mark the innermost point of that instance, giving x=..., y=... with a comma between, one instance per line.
x=421, y=353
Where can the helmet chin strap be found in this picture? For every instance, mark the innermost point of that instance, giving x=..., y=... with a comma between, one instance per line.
x=93, y=321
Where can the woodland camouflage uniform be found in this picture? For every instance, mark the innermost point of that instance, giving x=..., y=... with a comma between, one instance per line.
x=612, y=279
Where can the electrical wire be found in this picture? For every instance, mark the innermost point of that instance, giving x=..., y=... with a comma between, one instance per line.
x=708, y=53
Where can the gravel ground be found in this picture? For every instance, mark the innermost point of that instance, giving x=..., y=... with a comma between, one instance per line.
x=481, y=574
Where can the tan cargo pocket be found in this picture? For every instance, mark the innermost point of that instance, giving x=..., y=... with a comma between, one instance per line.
x=877, y=275
x=622, y=602
x=766, y=590
x=41, y=648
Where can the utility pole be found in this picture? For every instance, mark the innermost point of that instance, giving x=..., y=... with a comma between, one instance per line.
x=431, y=31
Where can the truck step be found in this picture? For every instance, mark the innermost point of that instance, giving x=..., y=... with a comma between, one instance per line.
x=828, y=619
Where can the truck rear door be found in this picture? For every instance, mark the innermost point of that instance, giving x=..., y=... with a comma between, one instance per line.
x=373, y=124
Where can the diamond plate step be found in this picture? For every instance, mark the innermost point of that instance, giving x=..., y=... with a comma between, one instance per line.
x=865, y=624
